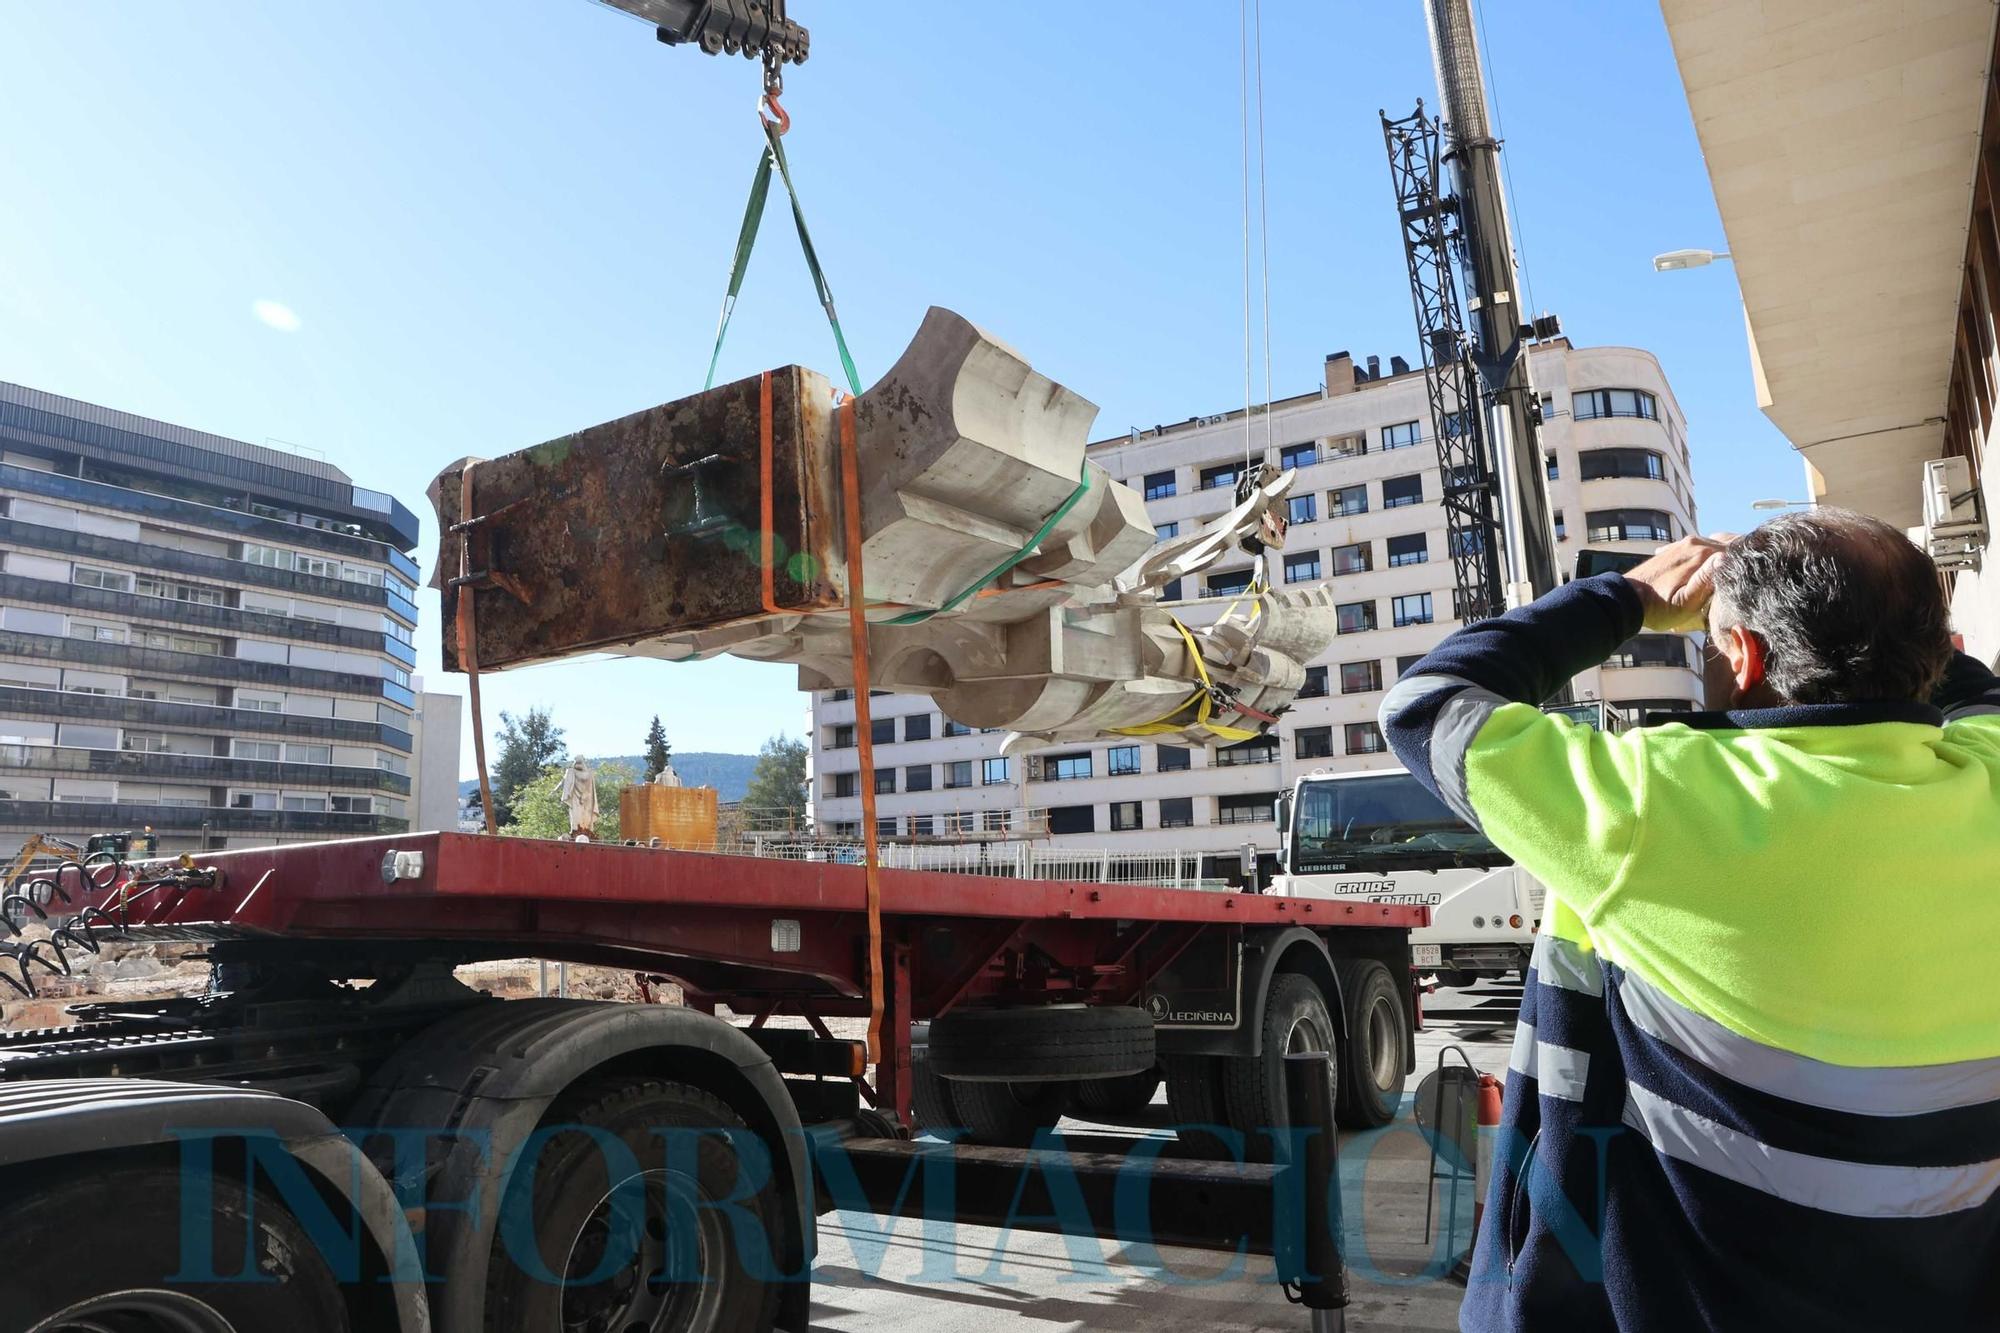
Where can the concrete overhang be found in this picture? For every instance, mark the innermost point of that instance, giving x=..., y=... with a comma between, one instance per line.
x=1842, y=139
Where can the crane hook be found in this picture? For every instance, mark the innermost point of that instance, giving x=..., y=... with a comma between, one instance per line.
x=778, y=119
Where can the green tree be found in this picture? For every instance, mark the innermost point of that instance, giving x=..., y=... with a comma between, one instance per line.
x=658, y=753
x=539, y=811
x=527, y=746
x=776, y=797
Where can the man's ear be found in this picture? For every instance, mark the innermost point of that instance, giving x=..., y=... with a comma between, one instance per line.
x=1745, y=652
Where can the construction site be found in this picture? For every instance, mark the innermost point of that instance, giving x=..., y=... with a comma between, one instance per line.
x=1259, y=981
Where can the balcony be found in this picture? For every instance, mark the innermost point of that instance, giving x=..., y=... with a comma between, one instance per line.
x=76, y=706
x=16, y=589
x=196, y=666
x=214, y=770
x=98, y=816
x=214, y=518
x=167, y=559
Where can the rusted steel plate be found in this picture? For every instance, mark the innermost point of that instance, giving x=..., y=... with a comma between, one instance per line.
x=603, y=538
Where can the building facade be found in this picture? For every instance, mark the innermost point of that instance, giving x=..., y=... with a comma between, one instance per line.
x=204, y=636
x=1367, y=518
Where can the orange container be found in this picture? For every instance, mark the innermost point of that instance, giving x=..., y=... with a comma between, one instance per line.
x=680, y=817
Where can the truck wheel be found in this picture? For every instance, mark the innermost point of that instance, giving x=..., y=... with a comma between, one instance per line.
x=570, y=1220
x=1296, y=1019
x=1118, y=1096
x=1008, y=1115
x=930, y=1098
x=1373, y=1056
x=124, y=1277
x=1194, y=1097
x=1056, y=1042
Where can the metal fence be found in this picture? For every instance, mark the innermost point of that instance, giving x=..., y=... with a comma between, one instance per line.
x=1003, y=860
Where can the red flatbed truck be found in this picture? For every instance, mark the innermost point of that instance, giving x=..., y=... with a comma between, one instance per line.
x=335, y=1006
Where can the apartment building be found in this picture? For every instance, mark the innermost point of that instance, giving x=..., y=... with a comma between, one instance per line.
x=209, y=637
x=1366, y=517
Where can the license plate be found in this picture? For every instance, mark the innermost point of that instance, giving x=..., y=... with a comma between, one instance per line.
x=1427, y=955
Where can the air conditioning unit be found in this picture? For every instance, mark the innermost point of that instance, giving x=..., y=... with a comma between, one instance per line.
x=1034, y=768
x=1954, y=525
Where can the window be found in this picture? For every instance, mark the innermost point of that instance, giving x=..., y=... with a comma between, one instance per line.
x=316, y=804
x=1629, y=525
x=1303, y=567
x=1299, y=455
x=1159, y=485
x=1644, y=711
x=1171, y=758
x=959, y=821
x=841, y=785
x=1347, y=501
x=1172, y=592
x=1467, y=543
x=1354, y=617
x=108, y=579
x=1224, y=585
x=1403, y=664
x=958, y=774
x=1176, y=811
x=1066, y=767
x=1400, y=491
x=1412, y=548
x=353, y=805
x=1585, y=404
x=1120, y=760
x=1356, y=559
x=308, y=754
x=1346, y=446
x=1547, y=403
x=885, y=826
x=1222, y=474
x=885, y=782
x=1401, y=436
x=1315, y=686
x=846, y=828
x=1302, y=509
x=1549, y=461
x=992, y=772
x=917, y=778
x=318, y=565
x=1642, y=464
x=97, y=631
x=1249, y=808
x=254, y=800
x=1071, y=818
x=1562, y=530
x=882, y=730
x=1411, y=609
x=1668, y=650
x=254, y=749
x=1461, y=478
x=1313, y=742
x=839, y=696
x=1256, y=750
x=952, y=728
x=268, y=556
x=146, y=744
x=917, y=727
x=1126, y=815
x=996, y=821
x=1162, y=531
x=842, y=737
x=1364, y=738
x=1360, y=677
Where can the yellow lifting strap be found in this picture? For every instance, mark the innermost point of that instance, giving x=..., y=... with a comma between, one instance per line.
x=1203, y=699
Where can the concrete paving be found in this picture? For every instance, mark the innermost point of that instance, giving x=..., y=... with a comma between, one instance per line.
x=971, y=1278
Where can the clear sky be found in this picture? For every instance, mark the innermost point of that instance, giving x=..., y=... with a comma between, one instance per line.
x=499, y=222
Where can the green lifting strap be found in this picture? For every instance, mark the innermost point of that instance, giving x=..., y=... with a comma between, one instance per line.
x=746, y=240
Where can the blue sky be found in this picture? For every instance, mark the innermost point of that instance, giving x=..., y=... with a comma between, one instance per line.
x=500, y=222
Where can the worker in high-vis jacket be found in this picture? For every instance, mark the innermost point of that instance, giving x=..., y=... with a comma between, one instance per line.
x=1756, y=1082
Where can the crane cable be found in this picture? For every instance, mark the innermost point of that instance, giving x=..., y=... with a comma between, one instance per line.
x=1250, y=55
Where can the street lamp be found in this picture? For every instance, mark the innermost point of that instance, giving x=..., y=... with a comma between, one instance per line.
x=1772, y=505
x=1675, y=260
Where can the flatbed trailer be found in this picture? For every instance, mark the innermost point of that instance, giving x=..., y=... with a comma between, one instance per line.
x=338, y=1058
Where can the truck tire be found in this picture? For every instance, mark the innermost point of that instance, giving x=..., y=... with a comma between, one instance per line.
x=1008, y=1115
x=1194, y=1097
x=1046, y=1043
x=122, y=1277
x=1296, y=1019
x=1374, y=1062
x=1128, y=1095
x=930, y=1098
x=561, y=1207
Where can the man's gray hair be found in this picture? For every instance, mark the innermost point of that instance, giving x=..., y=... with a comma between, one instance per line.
x=1848, y=608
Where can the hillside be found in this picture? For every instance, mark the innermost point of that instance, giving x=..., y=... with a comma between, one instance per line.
x=729, y=774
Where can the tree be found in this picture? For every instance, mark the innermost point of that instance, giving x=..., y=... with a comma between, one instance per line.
x=658, y=753
x=527, y=746
x=539, y=811
x=776, y=797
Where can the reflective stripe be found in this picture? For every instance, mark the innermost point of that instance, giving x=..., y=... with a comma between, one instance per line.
x=1521, y=1060
x=1458, y=720
x=1887, y=1090
x=1567, y=965
x=1561, y=1070
x=1851, y=1189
